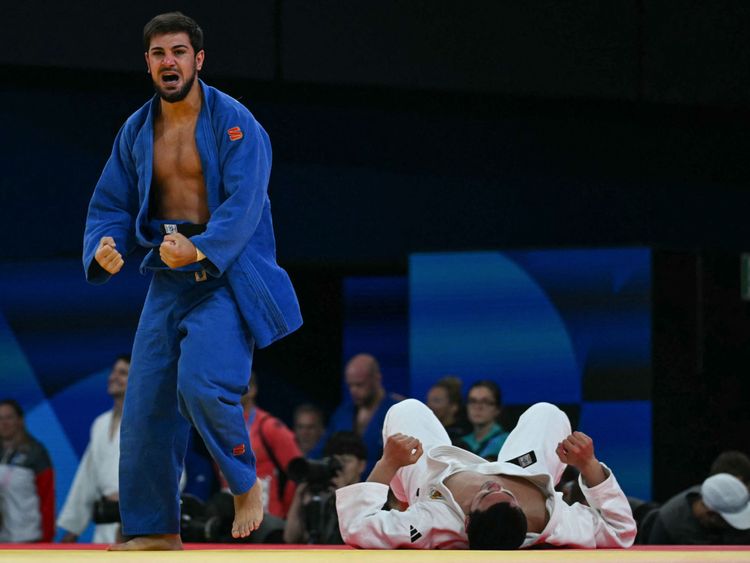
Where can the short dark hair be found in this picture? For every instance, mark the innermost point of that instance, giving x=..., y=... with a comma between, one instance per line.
x=452, y=386
x=173, y=22
x=124, y=357
x=345, y=442
x=492, y=386
x=15, y=405
x=733, y=462
x=501, y=526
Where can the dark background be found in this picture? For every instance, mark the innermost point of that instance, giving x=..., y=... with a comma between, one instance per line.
x=436, y=125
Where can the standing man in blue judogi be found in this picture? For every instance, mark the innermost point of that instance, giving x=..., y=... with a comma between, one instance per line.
x=188, y=179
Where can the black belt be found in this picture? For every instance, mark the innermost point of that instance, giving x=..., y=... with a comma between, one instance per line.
x=186, y=229
x=524, y=460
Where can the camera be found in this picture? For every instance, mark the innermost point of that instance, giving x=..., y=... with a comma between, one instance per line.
x=200, y=523
x=319, y=509
x=106, y=511
x=316, y=473
x=211, y=522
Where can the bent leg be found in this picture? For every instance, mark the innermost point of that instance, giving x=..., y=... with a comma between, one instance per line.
x=213, y=372
x=415, y=419
x=540, y=428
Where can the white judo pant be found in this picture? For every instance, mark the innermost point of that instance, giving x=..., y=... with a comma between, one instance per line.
x=539, y=430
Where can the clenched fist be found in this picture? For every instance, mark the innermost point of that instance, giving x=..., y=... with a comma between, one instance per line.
x=401, y=450
x=578, y=450
x=176, y=251
x=107, y=255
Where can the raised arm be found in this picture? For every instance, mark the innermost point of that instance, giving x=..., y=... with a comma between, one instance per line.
x=399, y=450
x=363, y=524
x=578, y=450
x=608, y=520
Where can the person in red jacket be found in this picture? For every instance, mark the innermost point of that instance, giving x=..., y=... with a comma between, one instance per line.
x=274, y=447
x=27, y=481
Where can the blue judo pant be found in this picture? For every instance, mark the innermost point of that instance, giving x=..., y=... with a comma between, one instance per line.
x=190, y=365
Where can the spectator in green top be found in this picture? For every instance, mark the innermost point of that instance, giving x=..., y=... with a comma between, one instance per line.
x=483, y=408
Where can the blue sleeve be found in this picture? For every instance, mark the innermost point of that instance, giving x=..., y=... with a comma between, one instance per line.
x=246, y=168
x=113, y=209
x=341, y=419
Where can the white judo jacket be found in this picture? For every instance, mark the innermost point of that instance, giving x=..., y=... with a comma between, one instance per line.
x=434, y=520
x=97, y=476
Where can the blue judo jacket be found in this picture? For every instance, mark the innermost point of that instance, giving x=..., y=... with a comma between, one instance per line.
x=235, y=154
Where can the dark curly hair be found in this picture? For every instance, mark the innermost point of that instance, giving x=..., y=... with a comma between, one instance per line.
x=501, y=526
x=15, y=405
x=173, y=22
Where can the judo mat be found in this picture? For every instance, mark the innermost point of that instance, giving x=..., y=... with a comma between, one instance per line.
x=55, y=553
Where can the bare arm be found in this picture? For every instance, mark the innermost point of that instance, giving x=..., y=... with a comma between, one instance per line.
x=608, y=521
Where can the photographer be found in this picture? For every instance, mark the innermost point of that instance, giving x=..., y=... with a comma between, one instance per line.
x=312, y=517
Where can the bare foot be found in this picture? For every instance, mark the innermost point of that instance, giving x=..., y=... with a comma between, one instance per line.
x=248, y=511
x=156, y=542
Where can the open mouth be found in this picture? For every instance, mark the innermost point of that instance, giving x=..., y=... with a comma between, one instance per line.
x=170, y=77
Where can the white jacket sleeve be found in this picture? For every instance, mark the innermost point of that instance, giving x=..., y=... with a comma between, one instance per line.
x=79, y=505
x=425, y=525
x=607, y=522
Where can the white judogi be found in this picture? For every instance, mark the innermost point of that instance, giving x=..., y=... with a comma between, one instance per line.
x=434, y=520
x=97, y=476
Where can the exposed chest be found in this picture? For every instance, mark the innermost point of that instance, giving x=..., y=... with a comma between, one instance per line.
x=362, y=419
x=176, y=153
x=531, y=499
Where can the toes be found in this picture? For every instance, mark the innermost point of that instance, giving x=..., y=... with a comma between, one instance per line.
x=241, y=531
x=244, y=529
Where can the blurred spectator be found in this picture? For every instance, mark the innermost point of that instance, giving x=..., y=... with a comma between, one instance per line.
x=732, y=462
x=27, y=481
x=364, y=410
x=483, y=407
x=714, y=513
x=312, y=517
x=308, y=427
x=444, y=399
x=95, y=490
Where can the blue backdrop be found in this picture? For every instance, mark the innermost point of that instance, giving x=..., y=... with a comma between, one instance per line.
x=571, y=327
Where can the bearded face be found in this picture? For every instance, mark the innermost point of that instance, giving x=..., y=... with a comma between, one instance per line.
x=173, y=65
x=172, y=86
